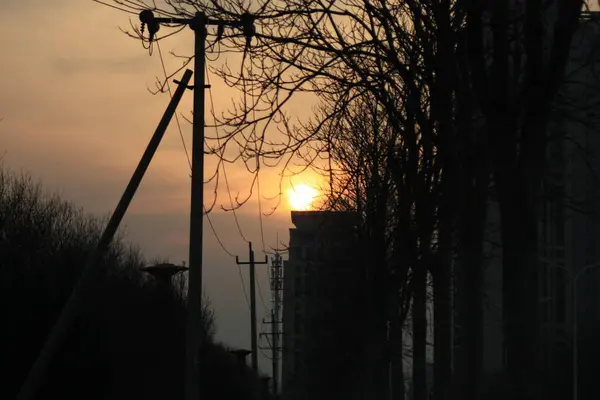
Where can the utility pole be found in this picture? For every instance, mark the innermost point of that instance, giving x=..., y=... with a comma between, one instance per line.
x=276, y=290
x=275, y=349
x=254, y=341
x=198, y=24
x=91, y=270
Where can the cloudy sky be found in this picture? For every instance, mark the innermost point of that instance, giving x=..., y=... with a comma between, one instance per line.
x=78, y=115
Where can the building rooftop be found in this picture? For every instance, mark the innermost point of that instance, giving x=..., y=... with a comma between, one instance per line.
x=311, y=220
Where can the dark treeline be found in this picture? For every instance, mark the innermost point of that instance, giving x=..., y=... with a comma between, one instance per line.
x=129, y=341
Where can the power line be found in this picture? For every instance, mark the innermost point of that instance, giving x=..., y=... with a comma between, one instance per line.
x=256, y=150
x=265, y=335
x=162, y=63
x=212, y=105
x=262, y=299
x=255, y=139
x=212, y=227
x=260, y=220
x=237, y=223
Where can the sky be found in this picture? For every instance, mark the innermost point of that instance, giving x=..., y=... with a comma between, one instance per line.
x=77, y=117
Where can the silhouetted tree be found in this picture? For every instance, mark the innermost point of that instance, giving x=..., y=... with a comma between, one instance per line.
x=128, y=342
x=515, y=54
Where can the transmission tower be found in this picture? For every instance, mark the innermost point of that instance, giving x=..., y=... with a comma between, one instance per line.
x=275, y=322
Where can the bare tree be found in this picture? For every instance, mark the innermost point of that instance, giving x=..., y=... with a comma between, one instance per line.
x=345, y=52
x=516, y=57
x=519, y=53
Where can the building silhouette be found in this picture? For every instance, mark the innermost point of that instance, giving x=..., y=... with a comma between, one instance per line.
x=319, y=289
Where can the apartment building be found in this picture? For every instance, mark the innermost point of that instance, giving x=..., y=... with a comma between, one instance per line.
x=317, y=279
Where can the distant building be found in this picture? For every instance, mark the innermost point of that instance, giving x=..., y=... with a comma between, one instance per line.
x=318, y=278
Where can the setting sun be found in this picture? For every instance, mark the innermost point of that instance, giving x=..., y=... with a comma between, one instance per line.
x=301, y=197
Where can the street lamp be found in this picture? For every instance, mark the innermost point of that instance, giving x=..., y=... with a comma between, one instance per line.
x=164, y=273
x=241, y=355
x=574, y=279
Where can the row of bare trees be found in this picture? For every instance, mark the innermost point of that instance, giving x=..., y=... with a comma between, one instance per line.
x=129, y=342
x=429, y=110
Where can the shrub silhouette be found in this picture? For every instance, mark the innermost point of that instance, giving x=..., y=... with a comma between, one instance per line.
x=128, y=342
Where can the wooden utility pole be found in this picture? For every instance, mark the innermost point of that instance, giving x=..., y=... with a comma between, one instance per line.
x=254, y=341
x=194, y=296
x=93, y=268
x=193, y=339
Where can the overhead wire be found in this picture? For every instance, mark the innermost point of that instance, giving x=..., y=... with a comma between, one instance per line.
x=237, y=223
x=162, y=63
x=258, y=192
x=206, y=214
x=212, y=105
x=262, y=299
x=262, y=232
x=254, y=138
x=265, y=335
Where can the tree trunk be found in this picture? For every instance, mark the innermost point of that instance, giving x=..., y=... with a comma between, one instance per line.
x=442, y=351
x=472, y=248
x=397, y=361
x=419, y=320
x=442, y=309
x=442, y=110
x=520, y=297
x=459, y=350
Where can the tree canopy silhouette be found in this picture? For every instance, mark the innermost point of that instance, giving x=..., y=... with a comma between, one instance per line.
x=128, y=342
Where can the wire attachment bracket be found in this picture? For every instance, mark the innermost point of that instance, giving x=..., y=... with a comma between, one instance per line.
x=147, y=19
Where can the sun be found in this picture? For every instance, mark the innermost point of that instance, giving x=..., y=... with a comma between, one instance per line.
x=301, y=197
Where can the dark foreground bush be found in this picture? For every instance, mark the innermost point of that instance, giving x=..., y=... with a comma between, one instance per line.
x=128, y=342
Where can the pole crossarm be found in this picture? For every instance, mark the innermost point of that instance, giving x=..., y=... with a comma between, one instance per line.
x=245, y=23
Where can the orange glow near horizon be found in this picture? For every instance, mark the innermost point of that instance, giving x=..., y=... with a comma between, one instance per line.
x=301, y=197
